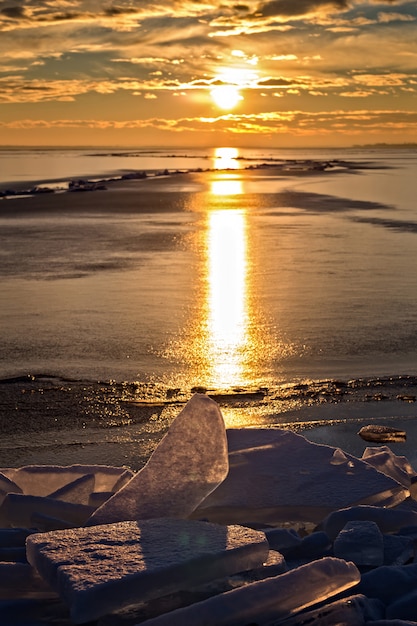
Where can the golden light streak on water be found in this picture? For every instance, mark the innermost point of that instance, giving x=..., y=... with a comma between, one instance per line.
x=226, y=186
x=227, y=309
x=227, y=340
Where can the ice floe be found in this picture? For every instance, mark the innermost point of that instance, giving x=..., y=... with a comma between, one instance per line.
x=277, y=476
x=255, y=526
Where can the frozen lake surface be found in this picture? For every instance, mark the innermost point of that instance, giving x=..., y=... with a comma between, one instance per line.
x=227, y=279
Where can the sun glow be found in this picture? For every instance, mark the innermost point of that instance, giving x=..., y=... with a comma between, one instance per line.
x=226, y=159
x=226, y=96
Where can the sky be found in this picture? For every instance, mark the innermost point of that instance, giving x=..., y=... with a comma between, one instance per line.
x=277, y=73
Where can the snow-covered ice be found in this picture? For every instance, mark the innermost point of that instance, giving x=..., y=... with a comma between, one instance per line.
x=187, y=465
x=276, y=475
x=100, y=569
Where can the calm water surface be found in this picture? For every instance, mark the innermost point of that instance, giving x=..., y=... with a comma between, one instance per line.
x=226, y=279
x=244, y=278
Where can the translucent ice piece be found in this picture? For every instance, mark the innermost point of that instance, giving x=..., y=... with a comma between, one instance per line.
x=101, y=569
x=374, y=432
x=41, y=480
x=352, y=611
x=360, y=542
x=388, y=520
x=270, y=599
x=276, y=475
x=77, y=492
x=190, y=461
x=7, y=485
x=390, y=464
x=18, y=509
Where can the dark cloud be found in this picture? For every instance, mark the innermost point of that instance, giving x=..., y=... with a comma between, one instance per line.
x=114, y=11
x=13, y=12
x=62, y=17
x=288, y=8
x=275, y=82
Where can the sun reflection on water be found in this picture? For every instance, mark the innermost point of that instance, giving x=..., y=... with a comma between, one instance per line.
x=226, y=186
x=227, y=313
x=225, y=344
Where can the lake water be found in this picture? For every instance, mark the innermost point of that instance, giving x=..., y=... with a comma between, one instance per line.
x=247, y=279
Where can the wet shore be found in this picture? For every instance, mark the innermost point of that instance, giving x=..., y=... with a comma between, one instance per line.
x=50, y=420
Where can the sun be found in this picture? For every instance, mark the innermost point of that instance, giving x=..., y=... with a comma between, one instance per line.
x=226, y=96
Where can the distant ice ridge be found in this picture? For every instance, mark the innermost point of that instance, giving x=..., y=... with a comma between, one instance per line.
x=255, y=526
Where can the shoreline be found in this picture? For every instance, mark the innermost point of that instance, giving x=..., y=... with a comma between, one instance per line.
x=56, y=421
x=287, y=167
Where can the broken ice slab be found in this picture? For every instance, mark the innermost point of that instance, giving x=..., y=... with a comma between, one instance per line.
x=34, y=612
x=276, y=475
x=78, y=491
x=41, y=480
x=355, y=610
x=13, y=537
x=285, y=540
x=360, y=542
x=16, y=555
x=7, y=485
x=385, y=461
x=388, y=520
x=405, y=608
x=101, y=569
x=44, y=523
x=270, y=599
x=187, y=465
x=19, y=580
x=135, y=614
x=388, y=584
x=17, y=510
x=96, y=499
x=374, y=432
x=397, y=550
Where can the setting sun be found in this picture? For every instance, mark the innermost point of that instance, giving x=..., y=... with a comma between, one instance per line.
x=226, y=96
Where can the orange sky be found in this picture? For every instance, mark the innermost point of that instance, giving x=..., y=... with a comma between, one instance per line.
x=201, y=73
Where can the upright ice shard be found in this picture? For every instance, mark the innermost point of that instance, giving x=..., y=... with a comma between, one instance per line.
x=188, y=464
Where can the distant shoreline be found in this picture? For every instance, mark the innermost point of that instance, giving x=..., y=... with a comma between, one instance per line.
x=11, y=190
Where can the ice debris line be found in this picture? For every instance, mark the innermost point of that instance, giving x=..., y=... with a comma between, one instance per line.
x=220, y=528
